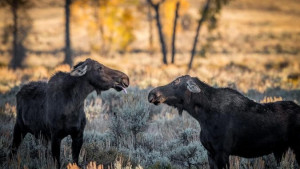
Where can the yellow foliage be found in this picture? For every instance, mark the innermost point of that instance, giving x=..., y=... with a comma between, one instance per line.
x=114, y=19
x=168, y=14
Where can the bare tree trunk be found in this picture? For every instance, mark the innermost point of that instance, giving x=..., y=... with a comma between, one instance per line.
x=161, y=36
x=200, y=22
x=174, y=31
x=21, y=22
x=16, y=58
x=159, y=27
x=68, y=55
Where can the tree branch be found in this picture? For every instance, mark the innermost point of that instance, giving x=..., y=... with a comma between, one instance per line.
x=203, y=18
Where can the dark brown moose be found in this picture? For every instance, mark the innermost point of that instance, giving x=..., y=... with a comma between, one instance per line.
x=232, y=124
x=55, y=109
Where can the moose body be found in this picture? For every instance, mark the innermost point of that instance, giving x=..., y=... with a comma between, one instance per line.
x=55, y=109
x=232, y=124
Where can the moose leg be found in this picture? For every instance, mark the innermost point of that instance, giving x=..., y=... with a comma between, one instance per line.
x=218, y=161
x=45, y=141
x=18, y=135
x=278, y=156
x=296, y=149
x=297, y=153
x=211, y=161
x=77, y=141
x=55, y=148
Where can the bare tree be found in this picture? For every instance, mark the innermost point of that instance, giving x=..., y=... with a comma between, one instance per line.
x=17, y=58
x=200, y=22
x=68, y=52
x=159, y=27
x=209, y=11
x=174, y=31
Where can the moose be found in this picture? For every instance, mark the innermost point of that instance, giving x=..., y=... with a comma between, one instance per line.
x=232, y=124
x=55, y=109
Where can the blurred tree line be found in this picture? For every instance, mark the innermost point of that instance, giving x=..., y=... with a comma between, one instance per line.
x=20, y=28
x=111, y=24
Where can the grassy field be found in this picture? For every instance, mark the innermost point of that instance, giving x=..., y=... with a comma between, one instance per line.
x=255, y=49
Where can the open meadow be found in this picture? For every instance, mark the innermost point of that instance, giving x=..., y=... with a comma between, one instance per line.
x=255, y=49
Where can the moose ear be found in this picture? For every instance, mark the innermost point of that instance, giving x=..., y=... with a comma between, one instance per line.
x=193, y=87
x=79, y=70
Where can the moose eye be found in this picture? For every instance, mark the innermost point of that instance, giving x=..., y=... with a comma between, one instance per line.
x=100, y=68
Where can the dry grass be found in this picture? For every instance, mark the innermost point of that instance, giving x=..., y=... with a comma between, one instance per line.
x=252, y=71
x=271, y=99
x=117, y=165
x=93, y=165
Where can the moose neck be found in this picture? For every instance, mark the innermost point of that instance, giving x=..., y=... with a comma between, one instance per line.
x=80, y=90
x=68, y=92
x=200, y=106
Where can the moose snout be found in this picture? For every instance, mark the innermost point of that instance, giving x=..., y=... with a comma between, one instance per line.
x=151, y=97
x=125, y=81
x=154, y=97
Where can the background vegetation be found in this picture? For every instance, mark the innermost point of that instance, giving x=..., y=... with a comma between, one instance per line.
x=249, y=45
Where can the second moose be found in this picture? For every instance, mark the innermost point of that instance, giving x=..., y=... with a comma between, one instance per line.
x=232, y=124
